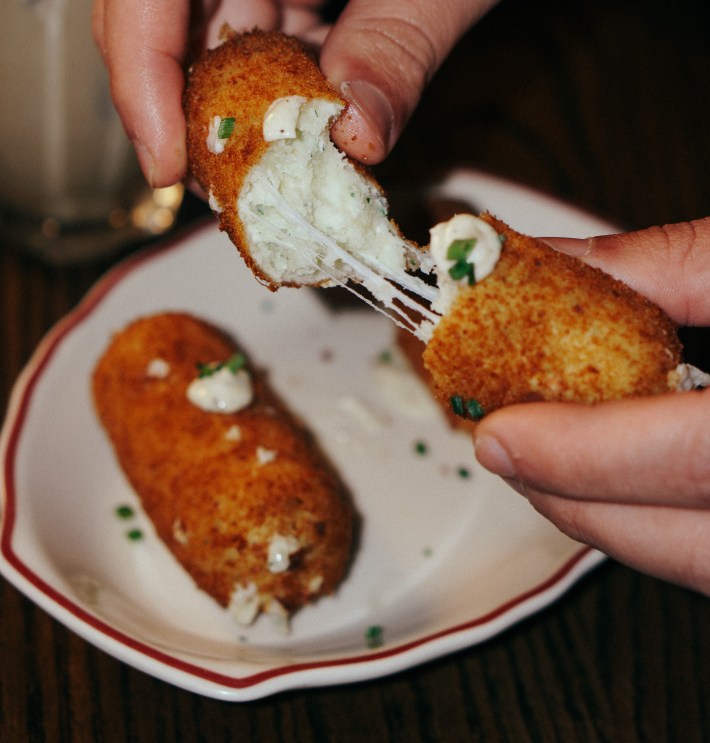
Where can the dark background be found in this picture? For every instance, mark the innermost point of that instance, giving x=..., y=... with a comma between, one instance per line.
x=603, y=104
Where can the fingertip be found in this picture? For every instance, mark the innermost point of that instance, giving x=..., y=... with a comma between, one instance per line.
x=495, y=457
x=365, y=130
x=157, y=129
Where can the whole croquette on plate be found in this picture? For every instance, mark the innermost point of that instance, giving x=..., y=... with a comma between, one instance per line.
x=235, y=486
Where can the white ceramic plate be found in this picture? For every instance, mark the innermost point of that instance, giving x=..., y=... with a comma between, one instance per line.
x=445, y=561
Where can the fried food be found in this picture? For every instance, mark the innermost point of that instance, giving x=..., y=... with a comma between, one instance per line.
x=299, y=211
x=243, y=499
x=546, y=326
x=515, y=324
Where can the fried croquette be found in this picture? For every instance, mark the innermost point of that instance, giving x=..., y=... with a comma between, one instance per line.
x=243, y=499
x=502, y=322
x=545, y=326
x=259, y=113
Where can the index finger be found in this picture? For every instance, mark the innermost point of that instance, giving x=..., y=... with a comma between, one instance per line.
x=144, y=44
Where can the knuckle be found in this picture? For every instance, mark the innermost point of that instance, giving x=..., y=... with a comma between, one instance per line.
x=408, y=44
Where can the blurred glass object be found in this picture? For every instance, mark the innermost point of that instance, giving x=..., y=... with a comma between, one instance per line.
x=70, y=186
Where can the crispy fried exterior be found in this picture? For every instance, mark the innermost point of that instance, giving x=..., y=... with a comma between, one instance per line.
x=240, y=79
x=212, y=502
x=545, y=326
x=413, y=349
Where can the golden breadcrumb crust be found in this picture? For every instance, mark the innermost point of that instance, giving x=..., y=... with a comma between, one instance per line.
x=413, y=348
x=240, y=79
x=546, y=326
x=212, y=501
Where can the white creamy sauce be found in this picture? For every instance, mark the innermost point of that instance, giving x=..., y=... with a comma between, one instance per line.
x=264, y=455
x=281, y=118
x=158, y=369
x=689, y=377
x=233, y=433
x=277, y=613
x=214, y=205
x=179, y=533
x=280, y=551
x=244, y=603
x=215, y=143
x=222, y=392
x=315, y=584
x=483, y=257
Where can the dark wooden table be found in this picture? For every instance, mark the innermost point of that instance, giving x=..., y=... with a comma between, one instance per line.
x=602, y=103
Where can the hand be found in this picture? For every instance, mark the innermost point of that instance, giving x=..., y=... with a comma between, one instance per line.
x=380, y=55
x=632, y=477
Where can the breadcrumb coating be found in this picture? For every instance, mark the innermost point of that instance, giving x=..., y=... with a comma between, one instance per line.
x=296, y=205
x=222, y=489
x=542, y=326
x=546, y=326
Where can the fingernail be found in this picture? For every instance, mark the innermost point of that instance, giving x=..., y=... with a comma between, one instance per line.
x=491, y=454
x=370, y=104
x=574, y=246
x=146, y=161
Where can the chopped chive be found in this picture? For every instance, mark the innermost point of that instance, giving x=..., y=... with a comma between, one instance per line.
x=374, y=636
x=124, y=512
x=474, y=409
x=206, y=370
x=464, y=473
x=226, y=127
x=459, y=270
x=385, y=357
x=459, y=250
x=236, y=362
x=456, y=402
x=420, y=447
x=134, y=535
x=427, y=552
x=467, y=408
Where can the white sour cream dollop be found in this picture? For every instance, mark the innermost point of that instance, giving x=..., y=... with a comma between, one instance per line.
x=223, y=391
x=244, y=603
x=215, y=143
x=281, y=118
x=158, y=368
x=214, y=205
x=483, y=257
x=280, y=550
x=688, y=377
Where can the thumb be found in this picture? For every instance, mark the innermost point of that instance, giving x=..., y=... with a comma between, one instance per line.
x=380, y=55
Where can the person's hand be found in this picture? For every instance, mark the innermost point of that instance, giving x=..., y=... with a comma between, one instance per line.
x=632, y=477
x=380, y=55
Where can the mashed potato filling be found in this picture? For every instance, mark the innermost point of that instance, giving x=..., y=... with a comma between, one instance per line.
x=311, y=217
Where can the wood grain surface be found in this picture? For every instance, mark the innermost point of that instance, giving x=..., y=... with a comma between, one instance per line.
x=602, y=103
